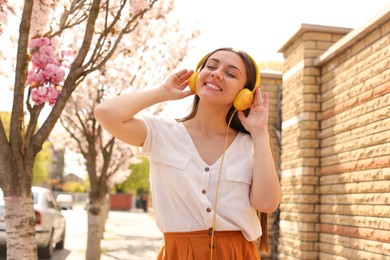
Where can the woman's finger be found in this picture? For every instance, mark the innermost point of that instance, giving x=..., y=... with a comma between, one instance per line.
x=258, y=100
x=266, y=100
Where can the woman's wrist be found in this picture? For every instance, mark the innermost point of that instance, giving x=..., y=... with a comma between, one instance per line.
x=262, y=132
x=160, y=94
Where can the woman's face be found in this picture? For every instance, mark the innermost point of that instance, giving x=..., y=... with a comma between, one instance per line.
x=222, y=77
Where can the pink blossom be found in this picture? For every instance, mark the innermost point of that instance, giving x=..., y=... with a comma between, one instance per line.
x=54, y=42
x=47, y=50
x=42, y=53
x=52, y=95
x=42, y=91
x=36, y=98
x=67, y=53
x=38, y=95
x=67, y=58
x=40, y=17
x=44, y=94
x=34, y=77
x=38, y=42
x=3, y=12
x=41, y=59
x=136, y=6
x=54, y=74
x=46, y=71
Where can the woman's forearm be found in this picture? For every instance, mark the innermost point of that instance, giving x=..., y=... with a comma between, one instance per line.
x=124, y=107
x=265, y=191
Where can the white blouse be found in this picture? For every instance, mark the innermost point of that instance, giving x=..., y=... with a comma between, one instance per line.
x=183, y=186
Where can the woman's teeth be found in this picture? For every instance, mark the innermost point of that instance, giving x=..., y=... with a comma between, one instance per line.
x=213, y=86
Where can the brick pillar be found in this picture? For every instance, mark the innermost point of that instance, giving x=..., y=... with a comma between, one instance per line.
x=301, y=110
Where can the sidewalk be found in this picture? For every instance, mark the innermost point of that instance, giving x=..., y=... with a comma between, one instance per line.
x=128, y=236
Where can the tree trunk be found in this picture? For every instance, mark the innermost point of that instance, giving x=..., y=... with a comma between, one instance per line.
x=20, y=228
x=97, y=216
x=105, y=212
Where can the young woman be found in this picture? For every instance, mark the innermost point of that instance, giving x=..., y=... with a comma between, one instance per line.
x=212, y=171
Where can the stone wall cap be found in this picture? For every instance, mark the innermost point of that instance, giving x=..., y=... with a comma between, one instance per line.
x=304, y=28
x=269, y=73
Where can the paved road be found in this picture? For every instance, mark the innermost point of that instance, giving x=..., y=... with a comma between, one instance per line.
x=128, y=236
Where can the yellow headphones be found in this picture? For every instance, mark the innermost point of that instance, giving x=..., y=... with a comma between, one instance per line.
x=243, y=99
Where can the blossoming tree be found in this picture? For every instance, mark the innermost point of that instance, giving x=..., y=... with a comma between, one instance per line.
x=143, y=58
x=45, y=76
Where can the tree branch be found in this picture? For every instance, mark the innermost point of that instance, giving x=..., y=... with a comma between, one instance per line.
x=74, y=17
x=17, y=115
x=32, y=124
x=107, y=152
x=98, y=52
x=71, y=133
x=130, y=26
x=70, y=122
x=84, y=125
x=5, y=158
x=74, y=74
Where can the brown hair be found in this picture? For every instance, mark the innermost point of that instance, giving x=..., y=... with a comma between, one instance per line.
x=263, y=240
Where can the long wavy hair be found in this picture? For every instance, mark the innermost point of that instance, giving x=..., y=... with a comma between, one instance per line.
x=249, y=84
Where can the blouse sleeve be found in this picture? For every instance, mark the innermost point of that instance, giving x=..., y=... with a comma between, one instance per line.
x=146, y=148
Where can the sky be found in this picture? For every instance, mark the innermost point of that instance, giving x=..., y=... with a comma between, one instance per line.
x=262, y=27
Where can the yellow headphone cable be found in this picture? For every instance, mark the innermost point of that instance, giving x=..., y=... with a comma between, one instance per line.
x=217, y=187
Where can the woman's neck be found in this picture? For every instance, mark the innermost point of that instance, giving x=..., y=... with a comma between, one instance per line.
x=209, y=121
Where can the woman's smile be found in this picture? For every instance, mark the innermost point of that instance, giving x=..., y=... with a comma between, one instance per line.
x=212, y=86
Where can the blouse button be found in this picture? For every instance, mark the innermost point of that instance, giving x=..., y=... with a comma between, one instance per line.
x=208, y=210
x=206, y=169
x=204, y=191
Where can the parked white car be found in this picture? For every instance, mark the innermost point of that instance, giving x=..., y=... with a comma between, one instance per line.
x=50, y=223
x=65, y=201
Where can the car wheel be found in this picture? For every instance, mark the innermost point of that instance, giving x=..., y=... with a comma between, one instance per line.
x=61, y=244
x=47, y=251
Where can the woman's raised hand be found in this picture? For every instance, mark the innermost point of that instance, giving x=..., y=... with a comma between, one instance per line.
x=257, y=119
x=175, y=84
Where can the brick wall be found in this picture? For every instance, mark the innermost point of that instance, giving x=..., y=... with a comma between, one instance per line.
x=335, y=160
x=271, y=82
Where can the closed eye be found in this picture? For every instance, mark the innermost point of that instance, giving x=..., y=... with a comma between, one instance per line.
x=231, y=75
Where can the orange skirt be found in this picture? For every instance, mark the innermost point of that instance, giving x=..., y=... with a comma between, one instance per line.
x=196, y=246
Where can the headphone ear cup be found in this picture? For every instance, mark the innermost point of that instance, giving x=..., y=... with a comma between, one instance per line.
x=243, y=99
x=192, y=82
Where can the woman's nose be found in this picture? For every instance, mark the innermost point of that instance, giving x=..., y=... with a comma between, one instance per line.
x=217, y=74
